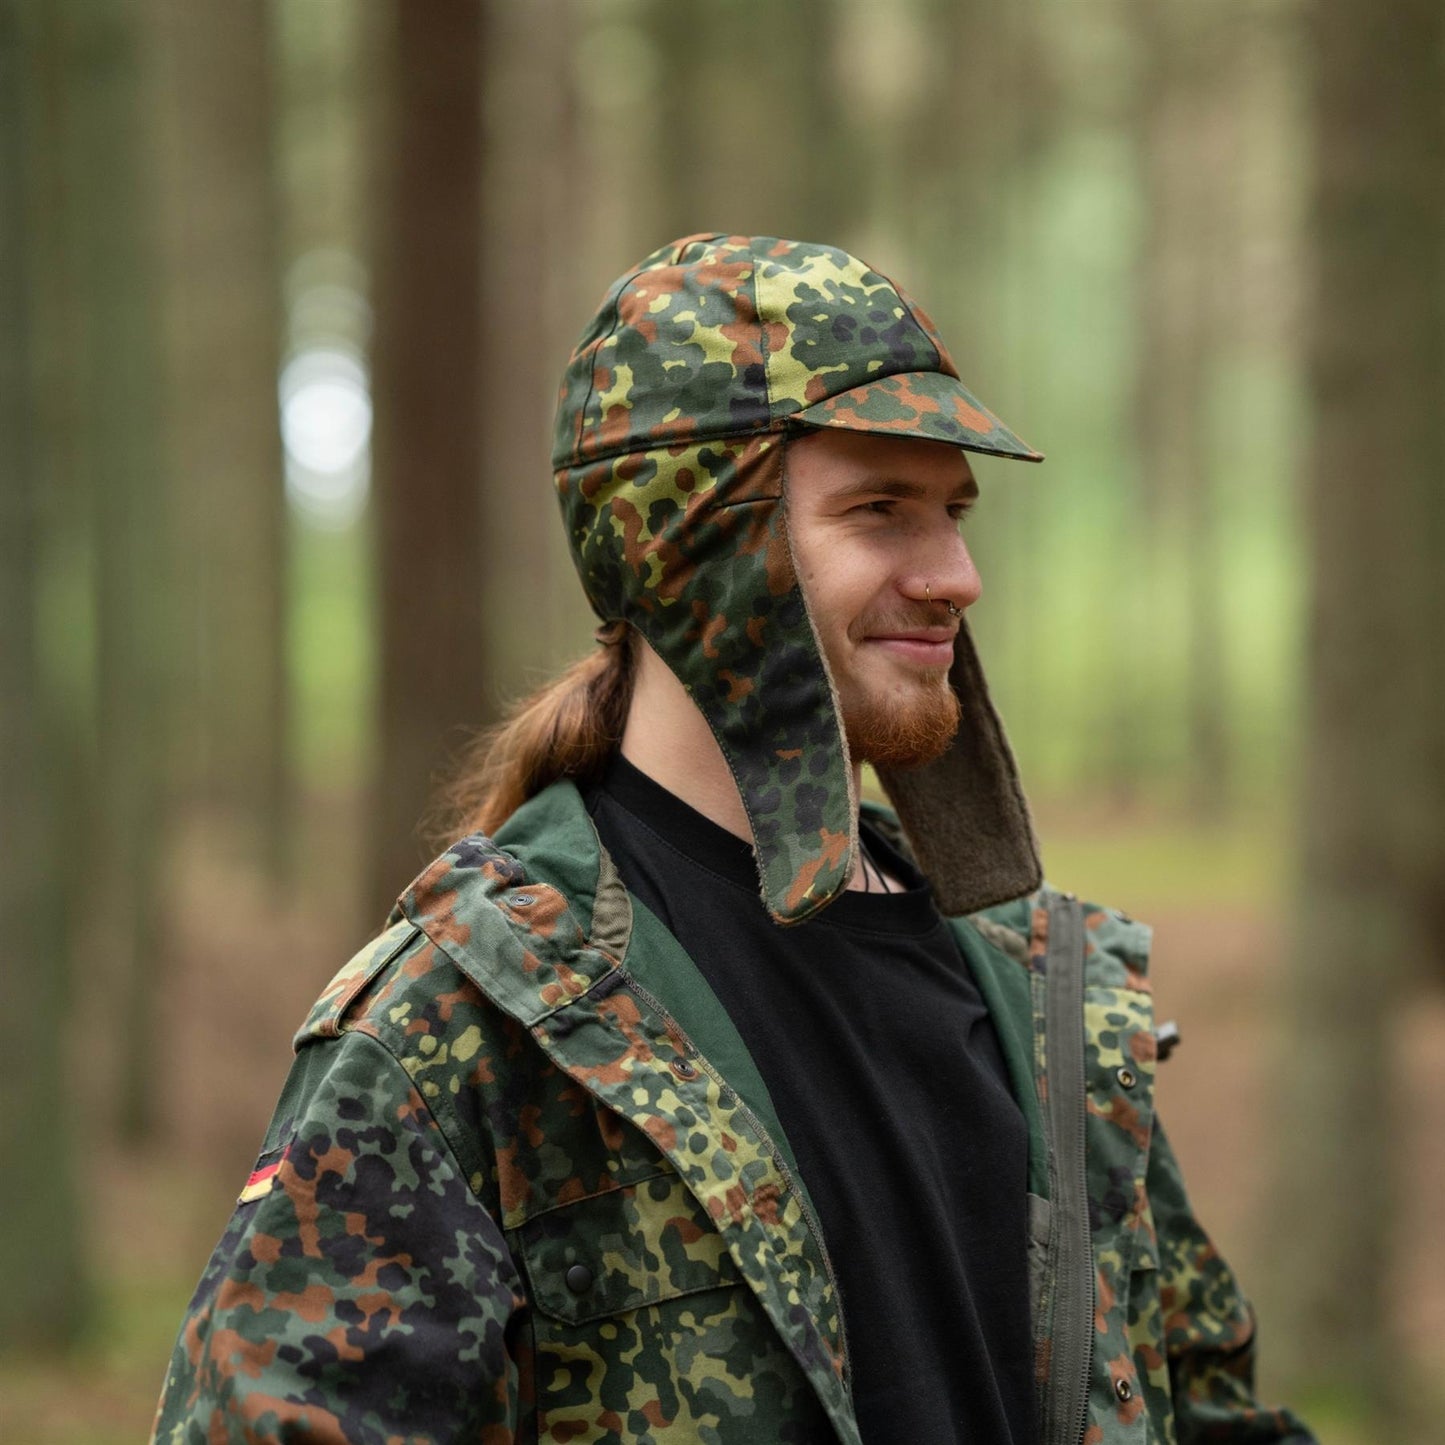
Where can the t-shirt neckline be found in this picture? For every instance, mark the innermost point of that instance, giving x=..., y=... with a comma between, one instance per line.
x=711, y=847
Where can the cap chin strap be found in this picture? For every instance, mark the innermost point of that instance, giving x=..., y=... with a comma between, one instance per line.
x=964, y=814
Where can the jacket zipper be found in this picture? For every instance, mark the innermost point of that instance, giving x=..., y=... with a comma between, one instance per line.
x=1067, y=1399
x=779, y=1163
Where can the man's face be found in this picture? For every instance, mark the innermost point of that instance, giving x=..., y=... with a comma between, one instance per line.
x=874, y=527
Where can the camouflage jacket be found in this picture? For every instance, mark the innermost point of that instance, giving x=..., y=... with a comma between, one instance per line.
x=524, y=1183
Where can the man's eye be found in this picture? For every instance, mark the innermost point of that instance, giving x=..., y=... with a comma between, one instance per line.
x=960, y=510
x=883, y=507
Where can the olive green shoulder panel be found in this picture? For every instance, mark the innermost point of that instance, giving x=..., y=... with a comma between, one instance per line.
x=1007, y=990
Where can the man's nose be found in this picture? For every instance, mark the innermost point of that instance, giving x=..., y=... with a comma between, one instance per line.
x=943, y=571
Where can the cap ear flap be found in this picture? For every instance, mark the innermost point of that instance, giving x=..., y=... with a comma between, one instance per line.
x=765, y=691
x=690, y=545
x=964, y=814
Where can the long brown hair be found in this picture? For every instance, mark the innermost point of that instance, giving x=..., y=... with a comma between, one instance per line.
x=566, y=729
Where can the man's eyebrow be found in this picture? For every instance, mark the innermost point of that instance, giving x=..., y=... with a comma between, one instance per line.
x=903, y=489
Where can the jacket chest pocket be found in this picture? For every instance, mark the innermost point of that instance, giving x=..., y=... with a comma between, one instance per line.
x=625, y=1249
x=643, y=1330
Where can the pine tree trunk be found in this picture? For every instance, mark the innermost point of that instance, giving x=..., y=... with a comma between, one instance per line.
x=113, y=357
x=435, y=672
x=775, y=165
x=223, y=303
x=1371, y=818
x=522, y=245
x=42, y=1304
x=1188, y=176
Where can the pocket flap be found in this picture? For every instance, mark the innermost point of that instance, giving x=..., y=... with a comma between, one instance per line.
x=621, y=1250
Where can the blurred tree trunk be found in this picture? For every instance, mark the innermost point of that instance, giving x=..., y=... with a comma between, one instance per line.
x=434, y=666
x=772, y=165
x=685, y=203
x=109, y=280
x=42, y=1304
x=816, y=181
x=529, y=247
x=223, y=304
x=971, y=140
x=1185, y=132
x=1214, y=158
x=1372, y=815
x=572, y=285
x=567, y=299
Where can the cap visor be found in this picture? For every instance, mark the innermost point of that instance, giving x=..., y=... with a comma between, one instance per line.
x=928, y=405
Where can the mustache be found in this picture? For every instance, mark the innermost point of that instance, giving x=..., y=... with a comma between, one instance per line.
x=910, y=619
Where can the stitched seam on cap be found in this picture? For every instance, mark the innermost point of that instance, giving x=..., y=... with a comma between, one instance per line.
x=922, y=330
x=661, y=444
x=763, y=340
x=592, y=378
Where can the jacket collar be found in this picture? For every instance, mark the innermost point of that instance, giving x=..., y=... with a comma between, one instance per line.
x=507, y=911
x=537, y=917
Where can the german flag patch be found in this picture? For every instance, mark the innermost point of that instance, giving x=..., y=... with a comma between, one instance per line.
x=263, y=1176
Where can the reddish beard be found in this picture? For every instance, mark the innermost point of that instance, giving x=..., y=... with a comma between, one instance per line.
x=900, y=729
x=902, y=732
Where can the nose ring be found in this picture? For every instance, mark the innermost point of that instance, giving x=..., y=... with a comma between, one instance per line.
x=954, y=610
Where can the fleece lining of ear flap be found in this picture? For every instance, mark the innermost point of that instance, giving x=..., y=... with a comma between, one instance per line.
x=964, y=814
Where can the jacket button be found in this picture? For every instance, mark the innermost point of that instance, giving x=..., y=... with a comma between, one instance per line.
x=579, y=1279
x=1124, y=1390
x=684, y=1068
x=1127, y=1077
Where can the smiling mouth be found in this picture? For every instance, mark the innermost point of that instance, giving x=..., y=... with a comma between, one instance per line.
x=921, y=646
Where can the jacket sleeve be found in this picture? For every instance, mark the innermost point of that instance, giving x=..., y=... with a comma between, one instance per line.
x=361, y=1292
x=1208, y=1325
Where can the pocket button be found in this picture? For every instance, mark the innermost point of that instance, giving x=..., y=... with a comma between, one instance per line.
x=578, y=1279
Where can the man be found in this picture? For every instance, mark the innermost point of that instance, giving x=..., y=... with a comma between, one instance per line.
x=697, y=1102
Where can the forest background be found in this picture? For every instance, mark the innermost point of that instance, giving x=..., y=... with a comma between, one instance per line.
x=285, y=293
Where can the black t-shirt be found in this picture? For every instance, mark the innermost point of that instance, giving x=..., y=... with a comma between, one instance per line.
x=886, y=1075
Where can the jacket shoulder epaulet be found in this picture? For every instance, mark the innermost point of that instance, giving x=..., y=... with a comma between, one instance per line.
x=352, y=980
x=1116, y=946
x=473, y=913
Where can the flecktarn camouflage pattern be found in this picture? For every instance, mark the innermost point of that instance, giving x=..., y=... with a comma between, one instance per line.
x=1171, y=1346
x=670, y=457
x=720, y=336
x=507, y=1197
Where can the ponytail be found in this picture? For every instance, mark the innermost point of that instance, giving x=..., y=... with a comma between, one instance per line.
x=567, y=729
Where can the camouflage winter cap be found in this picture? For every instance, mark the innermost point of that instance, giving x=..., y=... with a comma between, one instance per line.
x=670, y=456
x=719, y=336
